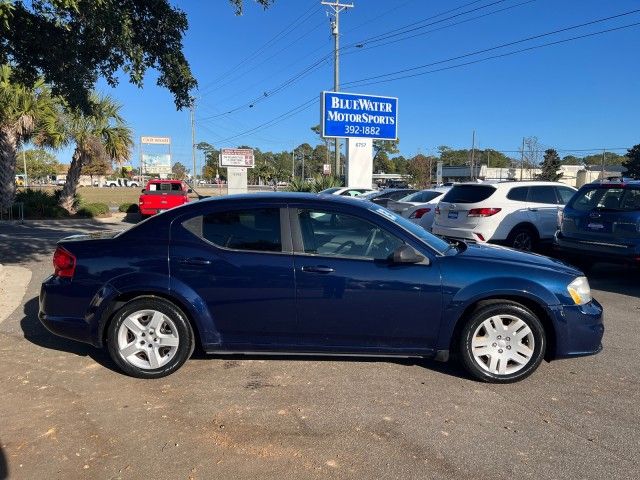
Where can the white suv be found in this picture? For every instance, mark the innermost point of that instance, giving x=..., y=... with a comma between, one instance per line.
x=517, y=214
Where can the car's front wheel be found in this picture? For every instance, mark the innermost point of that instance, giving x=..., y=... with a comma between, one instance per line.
x=150, y=337
x=502, y=343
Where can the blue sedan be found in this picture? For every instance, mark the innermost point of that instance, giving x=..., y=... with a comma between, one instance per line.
x=313, y=274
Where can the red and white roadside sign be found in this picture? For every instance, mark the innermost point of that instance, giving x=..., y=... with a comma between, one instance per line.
x=237, y=157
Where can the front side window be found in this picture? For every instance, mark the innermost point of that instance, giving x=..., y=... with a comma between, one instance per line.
x=518, y=194
x=337, y=234
x=252, y=229
x=565, y=194
x=543, y=195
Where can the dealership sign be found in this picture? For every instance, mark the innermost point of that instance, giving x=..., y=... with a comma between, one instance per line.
x=156, y=163
x=236, y=157
x=347, y=115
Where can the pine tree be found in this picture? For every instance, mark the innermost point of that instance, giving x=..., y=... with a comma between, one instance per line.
x=633, y=162
x=550, y=166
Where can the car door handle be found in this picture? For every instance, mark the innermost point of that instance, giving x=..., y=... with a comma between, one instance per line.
x=317, y=269
x=195, y=261
x=533, y=209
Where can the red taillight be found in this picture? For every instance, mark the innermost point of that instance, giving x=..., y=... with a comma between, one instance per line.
x=64, y=263
x=483, y=212
x=418, y=213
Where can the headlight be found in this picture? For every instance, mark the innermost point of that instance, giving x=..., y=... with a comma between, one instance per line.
x=580, y=290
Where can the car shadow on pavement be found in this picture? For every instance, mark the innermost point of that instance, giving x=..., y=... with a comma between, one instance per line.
x=450, y=368
x=620, y=279
x=4, y=468
x=37, y=334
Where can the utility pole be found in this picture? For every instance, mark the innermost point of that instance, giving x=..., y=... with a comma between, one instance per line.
x=601, y=166
x=192, y=108
x=337, y=7
x=293, y=164
x=522, y=159
x=473, y=154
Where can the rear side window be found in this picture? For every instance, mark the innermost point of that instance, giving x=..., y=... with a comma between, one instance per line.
x=543, y=195
x=518, y=194
x=468, y=193
x=254, y=229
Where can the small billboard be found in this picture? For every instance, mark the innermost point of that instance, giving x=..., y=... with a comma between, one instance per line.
x=156, y=164
x=156, y=140
x=237, y=157
x=355, y=115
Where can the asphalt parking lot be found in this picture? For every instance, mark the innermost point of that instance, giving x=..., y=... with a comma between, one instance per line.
x=65, y=412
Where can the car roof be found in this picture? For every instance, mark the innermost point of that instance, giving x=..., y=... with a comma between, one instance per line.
x=282, y=197
x=164, y=180
x=511, y=183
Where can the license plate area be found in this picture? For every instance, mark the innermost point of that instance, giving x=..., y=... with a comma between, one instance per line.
x=453, y=215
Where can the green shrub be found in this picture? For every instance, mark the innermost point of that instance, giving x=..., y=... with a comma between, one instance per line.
x=41, y=204
x=322, y=182
x=129, y=208
x=91, y=210
x=297, y=185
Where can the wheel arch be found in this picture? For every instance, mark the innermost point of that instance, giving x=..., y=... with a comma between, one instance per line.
x=123, y=298
x=536, y=306
x=528, y=225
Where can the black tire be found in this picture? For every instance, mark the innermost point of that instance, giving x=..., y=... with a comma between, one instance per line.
x=174, y=358
x=478, y=367
x=523, y=238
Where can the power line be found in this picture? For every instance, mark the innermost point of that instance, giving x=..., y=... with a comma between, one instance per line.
x=477, y=52
x=318, y=63
x=281, y=34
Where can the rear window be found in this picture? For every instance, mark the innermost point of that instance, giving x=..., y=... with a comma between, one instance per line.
x=616, y=198
x=468, y=193
x=165, y=187
x=422, y=197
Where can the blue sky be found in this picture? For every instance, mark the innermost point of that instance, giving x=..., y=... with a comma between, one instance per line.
x=577, y=95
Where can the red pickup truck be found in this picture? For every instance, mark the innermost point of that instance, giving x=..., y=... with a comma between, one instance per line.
x=161, y=195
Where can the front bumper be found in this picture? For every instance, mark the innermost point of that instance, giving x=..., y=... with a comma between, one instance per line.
x=579, y=331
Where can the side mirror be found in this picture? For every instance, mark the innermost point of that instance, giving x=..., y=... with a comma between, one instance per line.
x=143, y=190
x=405, y=254
x=189, y=191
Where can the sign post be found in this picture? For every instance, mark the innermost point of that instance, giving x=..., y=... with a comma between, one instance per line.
x=237, y=161
x=361, y=119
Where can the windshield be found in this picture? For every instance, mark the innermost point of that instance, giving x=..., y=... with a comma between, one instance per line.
x=617, y=198
x=431, y=240
x=330, y=190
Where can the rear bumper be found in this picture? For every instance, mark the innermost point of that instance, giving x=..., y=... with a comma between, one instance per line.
x=608, y=250
x=480, y=235
x=579, y=330
x=148, y=211
x=75, y=328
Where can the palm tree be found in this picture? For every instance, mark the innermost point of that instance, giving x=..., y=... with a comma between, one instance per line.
x=100, y=133
x=27, y=113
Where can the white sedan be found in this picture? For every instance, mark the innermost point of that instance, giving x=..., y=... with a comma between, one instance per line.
x=420, y=207
x=347, y=192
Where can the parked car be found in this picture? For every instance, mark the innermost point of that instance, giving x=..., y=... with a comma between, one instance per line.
x=517, y=214
x=346, y=191
x=602, y=222
x=121, y=182
x=383, y=197
x=309, y=274
x=423, y=213
x=161, y=195
x=414, y=199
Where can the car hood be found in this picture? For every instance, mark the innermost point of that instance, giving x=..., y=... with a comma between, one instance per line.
x=495, y=253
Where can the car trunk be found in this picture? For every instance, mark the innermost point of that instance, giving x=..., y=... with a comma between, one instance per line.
x=455, y=205
x=599, y=224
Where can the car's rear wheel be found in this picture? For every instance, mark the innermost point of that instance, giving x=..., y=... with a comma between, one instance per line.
x=522, y=238
x=502, y=343
x=150, y=338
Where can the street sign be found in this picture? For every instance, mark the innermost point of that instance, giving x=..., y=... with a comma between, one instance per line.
x=237, y=157
x=439, y=173
x=349, y=115
x=156, y=140
x=326, y=169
